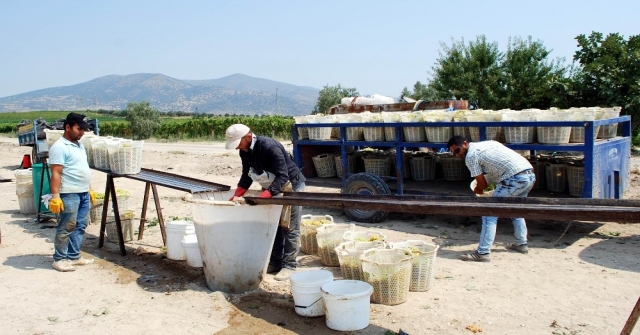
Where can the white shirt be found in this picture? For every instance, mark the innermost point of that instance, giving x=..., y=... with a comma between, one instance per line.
x=495, y=160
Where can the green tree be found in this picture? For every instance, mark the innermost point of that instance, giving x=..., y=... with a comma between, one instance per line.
x=529, y=75
x=610, y=72
x=143, y=119
x=330, y=96
x=420, y=92
x=470, y=72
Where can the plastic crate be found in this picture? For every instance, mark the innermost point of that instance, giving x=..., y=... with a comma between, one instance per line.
x=303, y=133
x=423, y=167
x=379, y=166
x=308, y=231
x=608, y=131
x=453, y=168
x=390, y=134
x=374, y=134
x=462, y=131
x=493, y=133
x=389, y=272
x=349, y=257
x=575, y=179
x=517, y=135
x=125, y=157
x=555, y=177
x=353, y=133
x=539, y=170
x=335, y=132
x=126, y=220
x=329, y=236
x=325, y=165
x=438, y=134
x=363, y=236
x=424, y=259
x=351, y=165
x=319, y=133
x=414, y=134
x=52, y=136
x=554, y=135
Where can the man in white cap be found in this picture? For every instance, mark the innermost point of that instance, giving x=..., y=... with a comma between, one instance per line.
x=263, y=154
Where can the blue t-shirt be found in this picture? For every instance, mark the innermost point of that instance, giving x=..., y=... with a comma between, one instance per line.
x=76, y=174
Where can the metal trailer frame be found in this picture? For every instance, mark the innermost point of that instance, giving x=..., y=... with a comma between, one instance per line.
x=606, y=161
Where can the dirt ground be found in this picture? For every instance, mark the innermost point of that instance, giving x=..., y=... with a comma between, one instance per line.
x=582, y=281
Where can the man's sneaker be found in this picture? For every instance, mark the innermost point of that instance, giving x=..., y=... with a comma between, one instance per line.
x=284, y=274
x=521, y=248
x=82, y=261
x=476, y=257
x=63, y=265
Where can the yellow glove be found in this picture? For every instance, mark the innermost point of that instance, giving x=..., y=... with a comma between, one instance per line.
x=92, y=196
x=56, y=205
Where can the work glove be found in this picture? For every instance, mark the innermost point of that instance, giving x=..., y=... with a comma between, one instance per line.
x=55, y=204
x=265, y=194
x=239, y=192
x=92, y=197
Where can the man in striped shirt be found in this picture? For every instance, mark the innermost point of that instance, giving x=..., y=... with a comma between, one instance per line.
x=514, y=177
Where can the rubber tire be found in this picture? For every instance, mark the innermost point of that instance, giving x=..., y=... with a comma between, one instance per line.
x=365, y=183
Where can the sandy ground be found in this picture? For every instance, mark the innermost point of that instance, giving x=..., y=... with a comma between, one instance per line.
x=582, y=282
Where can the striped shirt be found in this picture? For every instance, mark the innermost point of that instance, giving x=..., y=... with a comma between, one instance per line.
x=495, y=160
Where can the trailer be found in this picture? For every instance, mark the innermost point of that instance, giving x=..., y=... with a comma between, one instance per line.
x=33, y=135
x=606, y=161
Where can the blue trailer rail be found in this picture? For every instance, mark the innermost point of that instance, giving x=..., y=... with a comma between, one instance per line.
x=606, y=161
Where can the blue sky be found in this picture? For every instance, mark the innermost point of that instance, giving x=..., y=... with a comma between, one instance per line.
x=375, y=46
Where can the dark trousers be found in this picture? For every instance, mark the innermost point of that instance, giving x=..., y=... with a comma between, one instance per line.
x=287, y=241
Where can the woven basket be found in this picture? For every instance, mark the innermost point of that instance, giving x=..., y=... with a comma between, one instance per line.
x=608, y=131
x=389, y=272
x=555, y=177
x=424, y=258
x=493, y=133
x=390, y=134
x=575, y=178
x=539, y=170
x=349, y=257
x=577, y=134
x=453, y=168
x=319, y=133
x=325, y=165
x=351, y=165
x=379, y=166
x=373, y=134
x=414, y=134
x=329, y=236
x=554, y=135
x=308, y=231
x=515, y=135
x=438, y=134
x=354, y=133
x=423, y=168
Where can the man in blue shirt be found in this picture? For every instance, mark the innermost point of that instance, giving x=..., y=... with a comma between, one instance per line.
x=71, y=194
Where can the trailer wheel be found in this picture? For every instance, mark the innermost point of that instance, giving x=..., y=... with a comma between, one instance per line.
x=366, y=184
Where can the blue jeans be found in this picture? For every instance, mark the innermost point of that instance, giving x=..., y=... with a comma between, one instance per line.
x=287, y=242
x=72, y=222
x=516, y=186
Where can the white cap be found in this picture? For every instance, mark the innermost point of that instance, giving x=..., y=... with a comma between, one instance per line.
x=234, y=135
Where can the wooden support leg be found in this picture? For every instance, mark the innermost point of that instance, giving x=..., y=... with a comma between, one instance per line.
x=143, y=217
x=105, y=209
x=116, y=213
x=156, y=199
x=633, y=319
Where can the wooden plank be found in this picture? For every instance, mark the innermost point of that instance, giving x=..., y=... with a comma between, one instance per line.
x=632, y=320
x=423, y=206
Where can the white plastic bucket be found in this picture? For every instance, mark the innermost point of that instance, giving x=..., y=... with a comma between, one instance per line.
x=24, y=191
x=347, y=304
x=305, y=288
x=192, y=250
x=176, y=230
x=235, y=242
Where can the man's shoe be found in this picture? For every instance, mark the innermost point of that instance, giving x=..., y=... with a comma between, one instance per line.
x=521, y=248
x=271, y=269
x=476, y=257
x=63, y=265
x=284, y=274
x=82, y=261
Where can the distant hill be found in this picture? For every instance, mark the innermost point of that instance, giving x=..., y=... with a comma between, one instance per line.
x=234, y=94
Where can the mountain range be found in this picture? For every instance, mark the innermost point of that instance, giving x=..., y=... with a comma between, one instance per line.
x=234, y=94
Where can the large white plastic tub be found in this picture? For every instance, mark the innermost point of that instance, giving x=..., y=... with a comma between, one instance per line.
x=347, y=304
x=235, y=242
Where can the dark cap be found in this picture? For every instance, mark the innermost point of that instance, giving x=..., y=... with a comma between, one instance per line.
x=79, y=119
